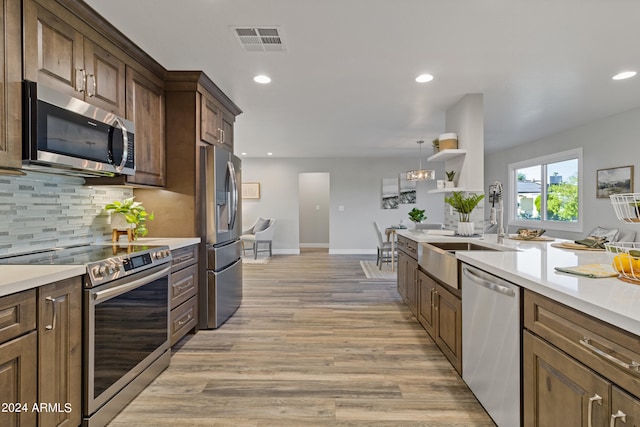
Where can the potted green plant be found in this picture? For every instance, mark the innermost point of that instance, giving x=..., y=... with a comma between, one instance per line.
x=464, y=205
x=436, y=145
x=129, y=214
x=417, y=215
x=450, y=176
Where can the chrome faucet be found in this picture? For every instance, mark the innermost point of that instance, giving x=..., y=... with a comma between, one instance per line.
x=497, y=214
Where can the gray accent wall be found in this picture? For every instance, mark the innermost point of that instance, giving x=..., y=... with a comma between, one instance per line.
x=355, y=186
x=610, y=142
x=42, y=211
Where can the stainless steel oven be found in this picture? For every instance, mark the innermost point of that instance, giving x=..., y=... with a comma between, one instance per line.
x=126, y=320
x=126, y=336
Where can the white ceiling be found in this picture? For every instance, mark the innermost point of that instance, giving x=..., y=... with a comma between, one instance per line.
x=345, y=85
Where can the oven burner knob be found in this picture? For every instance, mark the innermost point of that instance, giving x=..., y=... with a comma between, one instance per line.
x=96, y=271
x=102, y=271
x=111, y=270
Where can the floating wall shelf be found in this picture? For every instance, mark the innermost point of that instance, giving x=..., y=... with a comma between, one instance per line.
x=444, y=155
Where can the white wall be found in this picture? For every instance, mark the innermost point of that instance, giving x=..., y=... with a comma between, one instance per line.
x=314, y=197
x=355, y=184
x=466, y=118
x=610, y=142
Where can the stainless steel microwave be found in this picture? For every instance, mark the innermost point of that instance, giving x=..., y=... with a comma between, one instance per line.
x=63, y=134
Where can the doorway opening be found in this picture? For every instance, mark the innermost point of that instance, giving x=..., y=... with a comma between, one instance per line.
x=313, y=211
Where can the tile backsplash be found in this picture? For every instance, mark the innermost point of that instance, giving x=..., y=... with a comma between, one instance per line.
x=40, y=211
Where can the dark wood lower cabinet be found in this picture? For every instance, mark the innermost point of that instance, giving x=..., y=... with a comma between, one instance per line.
x=183, y=293
x=559, y=391
x=408, y=280
x=426, y=304
x=575, y=369
x=448, y=329
x=440, y=314
x=625, y=409
x=60, y=353
x=18, y=379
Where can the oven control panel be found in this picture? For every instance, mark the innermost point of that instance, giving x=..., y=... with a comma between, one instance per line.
x=119, y=266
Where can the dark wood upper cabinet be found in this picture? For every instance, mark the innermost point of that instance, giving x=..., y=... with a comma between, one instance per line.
x=145, y=108
x=210, y=120
x=58, y=55
x=10, y=85
x=105, y=78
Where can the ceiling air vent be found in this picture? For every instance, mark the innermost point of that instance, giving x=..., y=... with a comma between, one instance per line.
x=258, y=39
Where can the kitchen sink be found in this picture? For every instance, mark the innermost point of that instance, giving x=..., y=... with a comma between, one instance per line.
x=452, y=247
x=439, y=261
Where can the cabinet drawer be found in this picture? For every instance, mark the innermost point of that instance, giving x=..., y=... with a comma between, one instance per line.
x=183, y=319
x=17, y=314
x=184, y=285
x=410, y=247
x=184, y=257
x=603, y=347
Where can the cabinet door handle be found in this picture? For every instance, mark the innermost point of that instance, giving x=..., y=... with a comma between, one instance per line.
x=54, y=309
x=435, y=295
x=92, y=92
x=432, y=297
x=81, y=75
x=614, y=417
x=634, y=366
x=595, y=398
x=183, y=321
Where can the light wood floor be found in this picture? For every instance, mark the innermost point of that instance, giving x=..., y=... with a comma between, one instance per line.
x=314, y=344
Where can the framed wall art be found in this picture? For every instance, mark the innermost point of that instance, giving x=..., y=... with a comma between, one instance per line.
x=250, y=190
x=614, y=181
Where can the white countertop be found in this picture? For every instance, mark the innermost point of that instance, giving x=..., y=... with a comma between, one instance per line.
x=531, y=264
x=173, y=242
x=16, y=278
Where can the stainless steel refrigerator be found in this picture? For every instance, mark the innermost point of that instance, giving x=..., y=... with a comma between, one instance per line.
x=221, y=290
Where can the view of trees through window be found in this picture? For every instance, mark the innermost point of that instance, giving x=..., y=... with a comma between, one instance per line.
x=551, y=189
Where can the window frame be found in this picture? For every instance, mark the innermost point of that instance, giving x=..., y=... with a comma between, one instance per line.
x=544, y=161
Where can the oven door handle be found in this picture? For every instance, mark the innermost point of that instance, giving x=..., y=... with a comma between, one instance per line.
x=119, y=290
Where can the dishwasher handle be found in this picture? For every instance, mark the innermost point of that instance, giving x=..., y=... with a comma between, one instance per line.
x=488, y=284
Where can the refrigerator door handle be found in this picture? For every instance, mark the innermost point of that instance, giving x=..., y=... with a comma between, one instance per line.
x=233, y=212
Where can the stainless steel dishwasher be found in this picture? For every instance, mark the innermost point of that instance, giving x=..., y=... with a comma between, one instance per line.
x=491, y=343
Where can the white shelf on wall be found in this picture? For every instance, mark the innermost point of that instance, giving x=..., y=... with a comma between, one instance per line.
x=444, y=155
x=450, y=190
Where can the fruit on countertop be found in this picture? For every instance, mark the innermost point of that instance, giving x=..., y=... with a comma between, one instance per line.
x=625, y=263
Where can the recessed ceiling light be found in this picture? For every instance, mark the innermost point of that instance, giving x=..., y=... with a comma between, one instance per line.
x=269, y=154
x=624, y=75
x=262, y=79
x=423, y=78
x=244, y=154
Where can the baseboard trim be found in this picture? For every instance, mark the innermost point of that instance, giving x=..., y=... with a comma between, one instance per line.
x=286, y=251
x=314, y=245
x=352, y=252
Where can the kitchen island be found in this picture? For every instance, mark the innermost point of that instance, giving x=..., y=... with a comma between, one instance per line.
x=575, y=338
x=530, y=264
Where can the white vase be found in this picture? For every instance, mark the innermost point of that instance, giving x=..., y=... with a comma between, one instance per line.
x=119, y=222
x=465, y=228
x=449, y=184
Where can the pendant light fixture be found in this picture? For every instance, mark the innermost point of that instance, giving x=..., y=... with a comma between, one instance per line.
x=420, y=174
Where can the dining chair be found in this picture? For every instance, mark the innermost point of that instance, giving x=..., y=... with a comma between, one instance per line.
x=383, y=248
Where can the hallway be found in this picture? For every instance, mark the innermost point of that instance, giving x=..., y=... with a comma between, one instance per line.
x=314, y=344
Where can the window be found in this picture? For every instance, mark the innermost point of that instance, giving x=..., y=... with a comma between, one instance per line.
x=546, y=192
